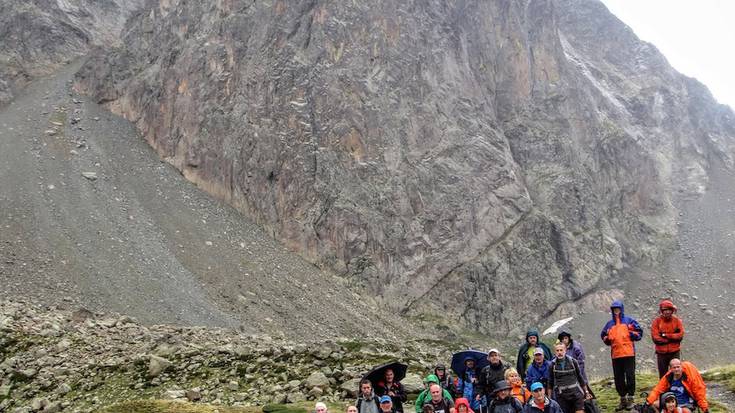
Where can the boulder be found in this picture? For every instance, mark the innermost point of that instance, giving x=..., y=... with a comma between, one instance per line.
x=317, y=379
x=412, y=383
x=157, y=365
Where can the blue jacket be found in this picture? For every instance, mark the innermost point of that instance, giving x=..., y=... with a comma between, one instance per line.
x=620, y=333
x=538, y=373
x=550, y=406
x=523, y=352
x=467, y=390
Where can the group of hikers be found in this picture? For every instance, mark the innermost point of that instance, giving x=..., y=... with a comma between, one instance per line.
x=547, y=380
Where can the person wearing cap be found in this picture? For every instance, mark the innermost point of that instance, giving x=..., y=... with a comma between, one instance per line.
x=491, y=374
x=502, y=401
x=574, y=350
x=539, y=403
x=667, y=332
x=539, y=370
x=394, y=389
x=424, y=396
x=566, y=384
x=320, y=408
x=367, y=402
x=620, y=333
x=386, y=404
x=445, y=379
x=684, y=380
x=525, y=352
x=517, y=389
x=670, y=404
x=440, y=403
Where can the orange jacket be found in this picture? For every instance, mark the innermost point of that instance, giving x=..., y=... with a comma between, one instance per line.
x=692, y=381
x=620, y=332
x=673, y=329
x=520, y=392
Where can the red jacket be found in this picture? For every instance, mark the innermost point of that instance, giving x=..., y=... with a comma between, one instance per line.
x=692, y=381
x=673, y=329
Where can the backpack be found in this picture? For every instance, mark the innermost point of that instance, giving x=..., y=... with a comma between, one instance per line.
x=591, y=406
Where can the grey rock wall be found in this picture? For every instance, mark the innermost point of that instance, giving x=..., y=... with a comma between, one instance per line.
x=445, y=155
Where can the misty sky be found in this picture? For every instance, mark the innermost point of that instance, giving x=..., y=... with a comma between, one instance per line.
x=696, y=36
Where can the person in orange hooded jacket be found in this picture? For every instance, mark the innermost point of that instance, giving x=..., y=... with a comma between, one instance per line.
x=682, y=374
x=620, y=333
x=667, y=331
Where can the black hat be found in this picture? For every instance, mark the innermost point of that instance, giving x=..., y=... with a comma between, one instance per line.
x=501, y=385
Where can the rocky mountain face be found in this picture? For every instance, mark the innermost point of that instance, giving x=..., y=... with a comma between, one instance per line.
x=445, y=156
x=40, y=35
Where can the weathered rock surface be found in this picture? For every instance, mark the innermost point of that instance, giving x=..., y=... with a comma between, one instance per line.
x=437, y=153
x=40, y=35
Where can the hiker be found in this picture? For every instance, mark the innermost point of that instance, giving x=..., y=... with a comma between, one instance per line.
x=445, y=379
x=525, y=352
x=667, y=331
x=440, y=403
x=574, y=350
x=670, y=405
x=538, y=371
x=490, y=374
x=386, y=404
x=367, y=402
x=466, y=384
x=424, y=396
x=320, y=407
x=517, y=389
x=682, y=379
x=539, y=403
x=619, y=333
x=351, y=409
x=502, y=401
x=392, y=388
x=462, y=405
x=566, y=384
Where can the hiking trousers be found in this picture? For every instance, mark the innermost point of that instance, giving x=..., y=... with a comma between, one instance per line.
x=663, y=360
x=624, y=373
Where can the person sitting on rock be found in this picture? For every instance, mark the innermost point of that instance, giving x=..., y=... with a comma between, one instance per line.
x=367, y=402
x=517, y=388
x=539, y=403
x=386, y=404
x=392, y=388
x=490, y=374
x=440, y=403
x=538, y=371
x=574, y=350
x=684, y=380
x=462, y=405
x=424, y=396
x=525, y=352
x=502, y=401
x=320, y=408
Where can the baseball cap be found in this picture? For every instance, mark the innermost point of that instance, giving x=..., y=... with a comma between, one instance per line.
x=385, y=399
x=535, y=386
x=538, y=351
x=493, y=350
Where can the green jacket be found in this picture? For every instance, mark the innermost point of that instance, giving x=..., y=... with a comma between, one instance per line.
x=425, y=396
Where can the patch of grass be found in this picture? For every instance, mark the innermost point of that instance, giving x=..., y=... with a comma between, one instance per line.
x=724, y=375
x=160, y=406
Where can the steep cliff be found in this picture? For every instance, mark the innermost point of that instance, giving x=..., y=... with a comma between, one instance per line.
x=39, y=35
x=445, y=155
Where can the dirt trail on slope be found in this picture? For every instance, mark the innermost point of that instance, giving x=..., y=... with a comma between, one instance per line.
x=90, y=216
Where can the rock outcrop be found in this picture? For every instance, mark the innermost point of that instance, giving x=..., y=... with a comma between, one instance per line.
x=40, y=35
x=445, y=155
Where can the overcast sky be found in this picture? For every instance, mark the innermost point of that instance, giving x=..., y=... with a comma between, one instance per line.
x=696, y=36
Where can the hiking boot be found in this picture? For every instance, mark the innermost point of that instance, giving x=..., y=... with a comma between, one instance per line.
x=629, y=402
x=621, y=406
